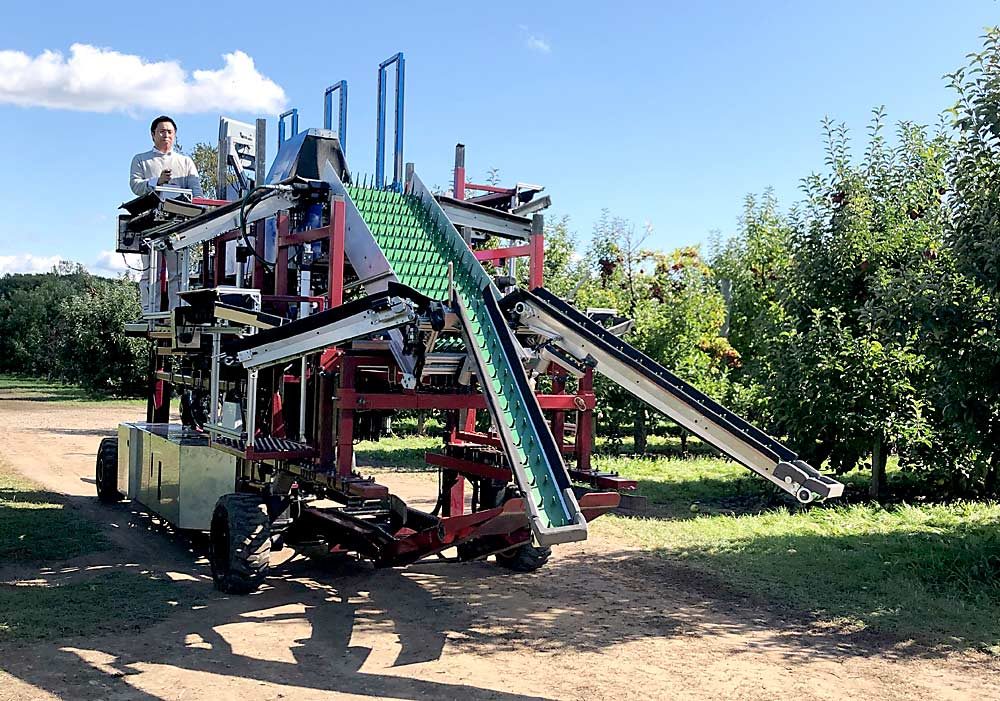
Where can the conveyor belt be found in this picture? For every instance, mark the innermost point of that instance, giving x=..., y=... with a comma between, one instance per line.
x=419, y=243
x=574, y=333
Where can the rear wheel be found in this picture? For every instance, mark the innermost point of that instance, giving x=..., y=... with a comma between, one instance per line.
x=240, y=543
x=107, y=471
x=524, y=558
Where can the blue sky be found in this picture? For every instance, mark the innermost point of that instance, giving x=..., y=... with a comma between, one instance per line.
x=667, y=113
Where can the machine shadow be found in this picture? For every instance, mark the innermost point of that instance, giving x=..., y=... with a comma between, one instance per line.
x=333, y=622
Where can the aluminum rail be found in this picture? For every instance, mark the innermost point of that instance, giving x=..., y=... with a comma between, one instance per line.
x=365, y=317
x=216, y=222
x=542, y=313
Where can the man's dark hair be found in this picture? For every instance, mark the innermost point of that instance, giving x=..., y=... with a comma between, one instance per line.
x=161, y=118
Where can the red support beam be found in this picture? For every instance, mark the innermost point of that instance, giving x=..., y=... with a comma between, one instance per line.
x=490, y=188
x=345, y=422
x=458, y=184
x=455, y=506
x=408, y=400
x=335, y=274
x=584, y=422
x=281, y=253
x=558, y=417
x=258, y=259
x=468, y=467
x=324, y=423
x=219, y=260
x=503, y=253
x=206, y=257
x=478, y=439
x=536, y=270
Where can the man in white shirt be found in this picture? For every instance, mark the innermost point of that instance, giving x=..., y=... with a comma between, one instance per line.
x=163, y=166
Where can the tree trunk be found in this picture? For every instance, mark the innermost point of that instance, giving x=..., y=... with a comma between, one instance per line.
x=639, y=431
x=991, y=478
x=879, y=456
x=684, y=442
x=421, y=420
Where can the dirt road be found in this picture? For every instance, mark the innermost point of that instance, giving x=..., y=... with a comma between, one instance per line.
x=602, y=621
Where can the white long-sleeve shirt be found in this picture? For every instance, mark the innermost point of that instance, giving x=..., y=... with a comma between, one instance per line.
x=146, y=169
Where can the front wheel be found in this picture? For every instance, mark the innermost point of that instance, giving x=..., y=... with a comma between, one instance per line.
x=240, y=543
x=107, y=471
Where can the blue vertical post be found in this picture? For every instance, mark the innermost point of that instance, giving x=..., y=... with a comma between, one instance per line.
x=341, y=114
x=294, y=114
x=397, y=175
x=397, y=156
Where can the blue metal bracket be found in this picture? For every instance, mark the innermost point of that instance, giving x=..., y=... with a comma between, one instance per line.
x=341, y=112
x=397, y=173
x=294, y=114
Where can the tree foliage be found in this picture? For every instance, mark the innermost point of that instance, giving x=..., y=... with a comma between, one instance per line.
x=677, y=311
x=69, y=325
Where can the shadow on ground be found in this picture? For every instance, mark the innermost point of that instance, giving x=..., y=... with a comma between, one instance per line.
x=580, y=602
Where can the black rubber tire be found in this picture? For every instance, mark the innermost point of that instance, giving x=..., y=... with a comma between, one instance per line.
x=239, y=543
x=106, y=474
x=524, y=558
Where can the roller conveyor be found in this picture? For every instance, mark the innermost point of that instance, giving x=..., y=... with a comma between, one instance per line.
x=546, y=315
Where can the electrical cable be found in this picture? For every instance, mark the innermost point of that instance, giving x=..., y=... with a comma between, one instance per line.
x=245, y=210
x=138, y=270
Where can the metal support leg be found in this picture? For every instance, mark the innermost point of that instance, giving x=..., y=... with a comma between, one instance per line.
x=304, y=368
x=251, y=407
x=216, y=352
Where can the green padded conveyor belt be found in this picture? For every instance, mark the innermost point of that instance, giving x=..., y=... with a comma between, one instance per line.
x=419, y=250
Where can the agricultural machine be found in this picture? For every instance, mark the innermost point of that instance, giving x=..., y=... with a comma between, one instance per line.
x=323, y=304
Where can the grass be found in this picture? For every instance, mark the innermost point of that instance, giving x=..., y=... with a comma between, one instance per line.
x=113, y=602
x=404, y=454
x=35, y=525
x=41, y=390
x=36, y=528
x=927, y=572
x=679, y=488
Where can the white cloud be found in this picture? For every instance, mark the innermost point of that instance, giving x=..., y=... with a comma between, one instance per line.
x=95, y=79
x=535, y=42
x=107, y=264
x=27, y=263
x=112, y=264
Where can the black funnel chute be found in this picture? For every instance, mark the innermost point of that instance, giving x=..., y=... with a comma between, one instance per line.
x=304, y=154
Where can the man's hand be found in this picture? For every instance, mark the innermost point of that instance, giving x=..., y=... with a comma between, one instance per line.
x=164, y=177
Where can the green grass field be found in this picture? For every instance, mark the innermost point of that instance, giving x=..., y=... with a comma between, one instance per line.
x=37, y=529
x=927, y=572
x=39, y=390
x=35, y=525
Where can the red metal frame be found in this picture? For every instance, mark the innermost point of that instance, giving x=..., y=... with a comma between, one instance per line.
x=339, y=397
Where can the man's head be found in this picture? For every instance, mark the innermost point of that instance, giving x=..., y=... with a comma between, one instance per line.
x=164, y=133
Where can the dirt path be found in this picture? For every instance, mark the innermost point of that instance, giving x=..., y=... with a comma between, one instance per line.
x=602, y=621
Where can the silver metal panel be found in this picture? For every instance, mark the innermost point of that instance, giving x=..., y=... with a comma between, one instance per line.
x=486, y=219
x=205, y=475
x=174, y=473
x=360, y=246
x=125, y=453
x=363, y=324
x=163, y=484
